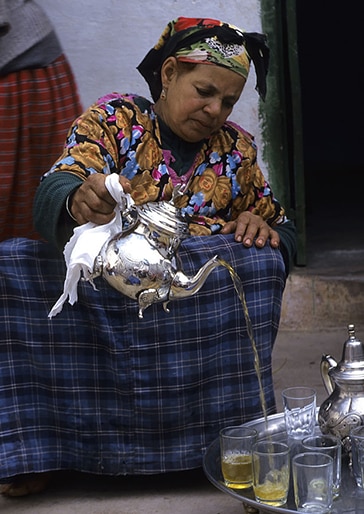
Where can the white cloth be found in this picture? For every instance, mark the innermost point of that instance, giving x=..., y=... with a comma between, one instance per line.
x=86, y=242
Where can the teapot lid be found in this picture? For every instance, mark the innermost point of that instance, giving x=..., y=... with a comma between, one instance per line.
x=165, y=216
x=351, y=365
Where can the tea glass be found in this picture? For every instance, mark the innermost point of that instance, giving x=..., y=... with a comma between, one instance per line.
x=236, y=456
x=357, y=454
x=271, y=469
x=312, y=481
x=330, y=445
x=299, y=405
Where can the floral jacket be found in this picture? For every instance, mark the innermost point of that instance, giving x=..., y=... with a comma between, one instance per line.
x=121, y=133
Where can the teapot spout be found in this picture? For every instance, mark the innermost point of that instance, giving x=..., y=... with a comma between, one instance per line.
x=183, y=286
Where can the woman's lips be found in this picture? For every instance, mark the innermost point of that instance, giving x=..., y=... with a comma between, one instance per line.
x=204, y=125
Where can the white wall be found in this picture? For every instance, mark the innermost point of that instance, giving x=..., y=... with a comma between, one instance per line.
x=105, y=40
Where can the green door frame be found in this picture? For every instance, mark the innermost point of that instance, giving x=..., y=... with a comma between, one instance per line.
x=282, y=116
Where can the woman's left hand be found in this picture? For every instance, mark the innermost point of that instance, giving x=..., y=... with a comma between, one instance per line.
x=248, y=227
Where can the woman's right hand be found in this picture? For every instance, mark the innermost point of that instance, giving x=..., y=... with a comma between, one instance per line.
x=93, y=202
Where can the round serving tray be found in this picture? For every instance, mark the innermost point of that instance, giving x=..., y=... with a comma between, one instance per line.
x=350, y=500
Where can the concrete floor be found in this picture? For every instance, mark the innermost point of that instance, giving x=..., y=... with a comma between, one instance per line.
x=296, y=361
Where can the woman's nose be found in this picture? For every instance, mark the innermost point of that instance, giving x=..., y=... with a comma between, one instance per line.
x=213, y=107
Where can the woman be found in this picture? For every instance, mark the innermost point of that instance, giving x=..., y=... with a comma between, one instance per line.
x=192, y=103
x=99, y=390
x=38, y=101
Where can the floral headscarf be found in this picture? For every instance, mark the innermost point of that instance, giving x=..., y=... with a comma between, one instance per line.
x=207, y=41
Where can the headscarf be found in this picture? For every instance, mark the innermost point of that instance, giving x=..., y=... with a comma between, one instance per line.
x=207, y=41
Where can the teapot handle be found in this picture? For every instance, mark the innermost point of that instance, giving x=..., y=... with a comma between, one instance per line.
x=327, y=363
x=129, y=218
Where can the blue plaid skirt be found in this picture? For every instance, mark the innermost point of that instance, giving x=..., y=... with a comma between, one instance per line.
x=96, y=389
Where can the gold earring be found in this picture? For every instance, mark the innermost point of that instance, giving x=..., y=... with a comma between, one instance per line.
x=163, y=95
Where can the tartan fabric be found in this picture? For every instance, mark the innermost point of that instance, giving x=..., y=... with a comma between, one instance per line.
x=37, y=107
x=96, y=389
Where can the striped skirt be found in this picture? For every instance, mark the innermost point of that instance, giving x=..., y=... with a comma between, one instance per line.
x=37, y=107
x=96, y=389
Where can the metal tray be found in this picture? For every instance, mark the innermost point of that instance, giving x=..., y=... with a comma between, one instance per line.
x=350, y=500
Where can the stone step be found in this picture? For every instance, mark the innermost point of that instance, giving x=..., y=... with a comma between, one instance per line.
x=329, y=293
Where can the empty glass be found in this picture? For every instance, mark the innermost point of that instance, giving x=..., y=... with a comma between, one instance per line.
x=299, y=405
x=330, y=445
x=312, y=481
x=357, y=454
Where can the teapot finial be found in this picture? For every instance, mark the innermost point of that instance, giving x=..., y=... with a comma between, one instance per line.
x=351, y=330
x=177, y=192
x=353, y=353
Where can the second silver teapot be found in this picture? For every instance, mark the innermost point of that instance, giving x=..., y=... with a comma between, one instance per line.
x=344, y=382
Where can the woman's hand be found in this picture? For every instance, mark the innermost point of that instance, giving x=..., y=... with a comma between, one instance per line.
x=93, y=202
x=249, y=226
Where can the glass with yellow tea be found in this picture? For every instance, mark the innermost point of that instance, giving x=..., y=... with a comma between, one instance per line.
x=271, y=469
x=236, y=444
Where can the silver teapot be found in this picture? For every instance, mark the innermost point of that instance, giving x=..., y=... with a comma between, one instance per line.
x=140, y=262
x=344, y=381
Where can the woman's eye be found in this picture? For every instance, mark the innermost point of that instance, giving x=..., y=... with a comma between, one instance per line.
x=203, y=92
x=228, y=104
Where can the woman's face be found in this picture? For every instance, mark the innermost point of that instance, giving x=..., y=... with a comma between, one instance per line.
x=199, y=100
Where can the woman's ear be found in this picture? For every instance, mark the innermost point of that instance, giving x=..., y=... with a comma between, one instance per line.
x=168, y=70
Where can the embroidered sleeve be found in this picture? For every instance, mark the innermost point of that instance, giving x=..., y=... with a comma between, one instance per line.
x=113, y=135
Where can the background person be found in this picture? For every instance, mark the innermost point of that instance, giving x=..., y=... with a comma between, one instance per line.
x=38, y=101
